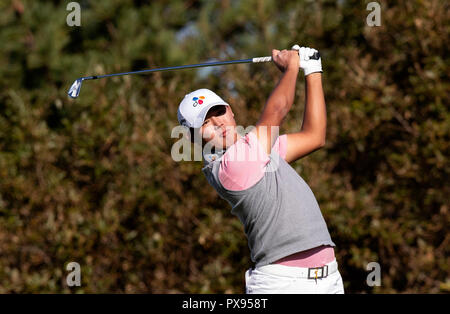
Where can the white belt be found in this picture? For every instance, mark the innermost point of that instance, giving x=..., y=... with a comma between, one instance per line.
x=299, y=272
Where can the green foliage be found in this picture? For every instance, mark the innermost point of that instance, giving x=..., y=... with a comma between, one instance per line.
x=92, y=180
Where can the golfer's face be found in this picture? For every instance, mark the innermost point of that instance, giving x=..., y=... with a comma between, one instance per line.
x=219, y=127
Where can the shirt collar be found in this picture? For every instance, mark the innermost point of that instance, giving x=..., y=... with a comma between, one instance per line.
x=213, y=156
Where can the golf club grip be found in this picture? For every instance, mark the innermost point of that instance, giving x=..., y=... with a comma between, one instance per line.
x=315, y=56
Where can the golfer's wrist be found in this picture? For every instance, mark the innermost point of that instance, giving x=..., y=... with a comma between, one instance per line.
x=314, y=78
x=313, y=69
x=293, y=68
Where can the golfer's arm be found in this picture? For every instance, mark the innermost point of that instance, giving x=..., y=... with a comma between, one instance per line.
x=276, y=109
x=315, y=116
x=313, y=131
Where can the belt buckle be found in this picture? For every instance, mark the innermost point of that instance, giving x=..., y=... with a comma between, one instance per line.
x=315, y=271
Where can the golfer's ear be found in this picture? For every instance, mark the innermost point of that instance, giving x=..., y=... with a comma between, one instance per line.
x=229, y=107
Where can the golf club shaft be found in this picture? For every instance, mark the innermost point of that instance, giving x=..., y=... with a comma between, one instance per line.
x=199, y=65
x=170, y=68
x=75, y=88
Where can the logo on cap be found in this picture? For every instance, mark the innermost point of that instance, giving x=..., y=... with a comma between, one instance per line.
x=198, y=100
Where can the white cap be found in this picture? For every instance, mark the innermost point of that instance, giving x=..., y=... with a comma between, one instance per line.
x=195, y=105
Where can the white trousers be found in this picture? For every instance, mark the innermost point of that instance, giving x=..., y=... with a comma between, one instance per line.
x=276, y=278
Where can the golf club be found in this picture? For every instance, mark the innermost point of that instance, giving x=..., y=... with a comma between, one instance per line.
x=74, y=90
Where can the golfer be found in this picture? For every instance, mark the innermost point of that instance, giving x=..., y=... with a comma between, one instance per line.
x=287, y=235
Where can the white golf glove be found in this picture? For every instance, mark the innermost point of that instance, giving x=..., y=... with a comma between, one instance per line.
x=308, y=65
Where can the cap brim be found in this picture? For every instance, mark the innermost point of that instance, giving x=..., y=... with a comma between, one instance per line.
x=202, y=115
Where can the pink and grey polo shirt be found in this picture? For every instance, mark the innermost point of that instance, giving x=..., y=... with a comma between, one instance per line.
x=277, y=208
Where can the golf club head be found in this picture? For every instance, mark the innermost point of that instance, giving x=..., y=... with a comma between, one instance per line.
x=74, y=90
